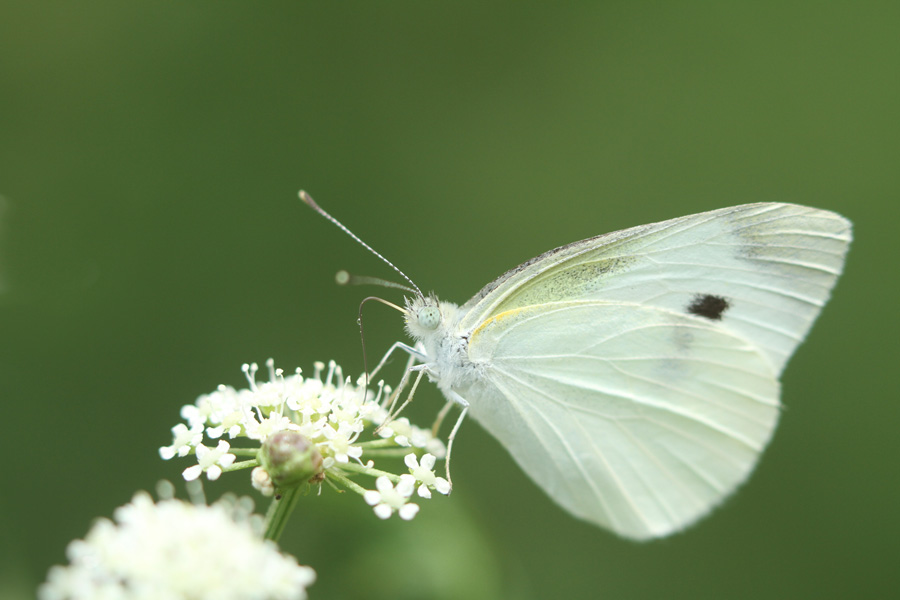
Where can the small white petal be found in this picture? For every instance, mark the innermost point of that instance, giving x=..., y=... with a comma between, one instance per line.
x=428, y=461
x=411, y=462
x=424, y=492
x=408, y=511
x=383, y=511
x=372, y=497
x=406, y=486
x=166, y=452
x=192, y=473
x=383, y=484
x=442, y=485
x=213, y=473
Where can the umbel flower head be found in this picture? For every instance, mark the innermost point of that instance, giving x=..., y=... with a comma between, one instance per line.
x=175, y=550
x=300, y=429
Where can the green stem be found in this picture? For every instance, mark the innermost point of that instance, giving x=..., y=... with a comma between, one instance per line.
x=279, y=512
x=345, y=481
x=246, y=464
x=398, y=452
x=244, y=451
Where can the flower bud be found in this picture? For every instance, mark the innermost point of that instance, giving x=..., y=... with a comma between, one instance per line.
x=289, y=459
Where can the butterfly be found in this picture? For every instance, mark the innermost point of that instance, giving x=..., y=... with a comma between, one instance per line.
x=634, y=376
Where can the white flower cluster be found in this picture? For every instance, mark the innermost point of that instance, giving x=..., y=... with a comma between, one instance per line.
x=330, y=412
x=176, y=550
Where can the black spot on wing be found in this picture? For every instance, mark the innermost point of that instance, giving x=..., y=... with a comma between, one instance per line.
x=708, y=306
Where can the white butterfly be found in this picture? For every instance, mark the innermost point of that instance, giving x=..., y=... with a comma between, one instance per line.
x=634, y=375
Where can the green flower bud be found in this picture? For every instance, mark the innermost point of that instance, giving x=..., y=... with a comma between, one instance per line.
x=289, y=459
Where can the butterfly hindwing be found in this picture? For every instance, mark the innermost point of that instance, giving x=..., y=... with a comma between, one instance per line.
x=631, y=417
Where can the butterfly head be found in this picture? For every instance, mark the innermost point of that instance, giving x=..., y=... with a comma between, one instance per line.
x=425, y=316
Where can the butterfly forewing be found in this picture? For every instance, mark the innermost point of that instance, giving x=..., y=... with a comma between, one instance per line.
x=760, y=271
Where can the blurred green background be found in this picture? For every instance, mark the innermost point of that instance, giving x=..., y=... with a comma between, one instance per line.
x=151, y=241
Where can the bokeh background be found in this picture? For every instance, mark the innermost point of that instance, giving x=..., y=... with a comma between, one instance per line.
x=151, y=241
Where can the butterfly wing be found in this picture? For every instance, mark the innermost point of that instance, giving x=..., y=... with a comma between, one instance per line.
x=635, y=418
x=760, y=271
x=634, y=376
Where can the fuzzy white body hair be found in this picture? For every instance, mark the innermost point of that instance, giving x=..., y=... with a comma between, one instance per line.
x=447, y=361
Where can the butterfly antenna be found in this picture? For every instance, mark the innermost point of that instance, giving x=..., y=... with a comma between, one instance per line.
x=307, y=199
x=345, y=278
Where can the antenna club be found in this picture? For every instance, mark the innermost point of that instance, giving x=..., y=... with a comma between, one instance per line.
x=307, y=199
x=342, y=277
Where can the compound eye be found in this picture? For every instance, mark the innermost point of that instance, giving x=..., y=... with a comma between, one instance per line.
x=429, y=317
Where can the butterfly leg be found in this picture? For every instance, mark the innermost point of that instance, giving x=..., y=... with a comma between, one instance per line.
x=391, y=401
x=392, y=414
x=414, y=353
x=456, y=399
